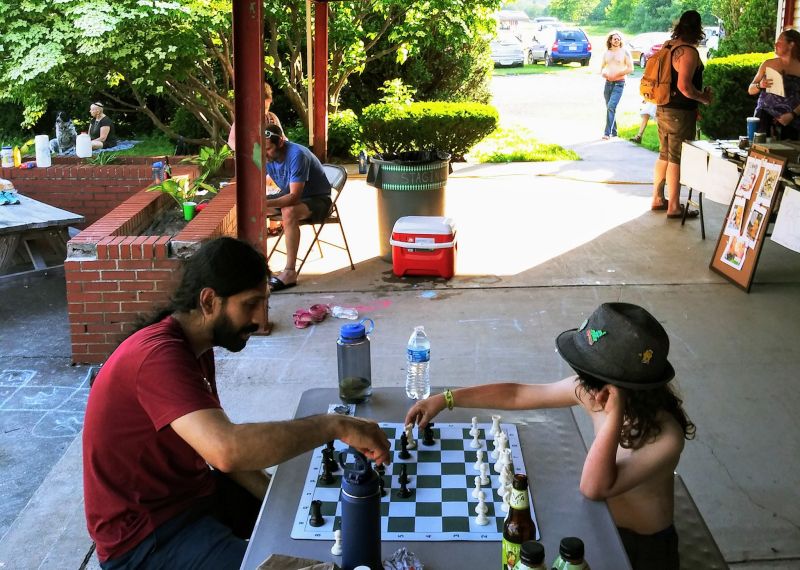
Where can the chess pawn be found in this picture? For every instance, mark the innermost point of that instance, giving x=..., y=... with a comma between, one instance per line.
x=479, y=460
x=495, y=425
x=481, y=509
x=477, y=490
x=412, y=443
x=485, y=480
x=361, y=513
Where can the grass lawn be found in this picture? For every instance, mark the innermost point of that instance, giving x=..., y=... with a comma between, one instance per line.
x=517, y=145
x=150, y=145
x=649, y=140
x=535, y=69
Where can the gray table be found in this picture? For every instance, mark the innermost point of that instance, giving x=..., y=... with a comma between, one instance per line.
x=35, y=229
x=553, y=451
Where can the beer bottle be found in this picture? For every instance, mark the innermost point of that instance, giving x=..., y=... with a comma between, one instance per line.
x=519, y=525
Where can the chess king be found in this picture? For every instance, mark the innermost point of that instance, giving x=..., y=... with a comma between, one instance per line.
x=155, y=426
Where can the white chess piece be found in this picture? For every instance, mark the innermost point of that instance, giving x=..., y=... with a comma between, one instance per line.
x=481, y=509
x=506, y=498
x=412, y=443
x=336, y=549
x=500, y=443
x=474, y=429
x=495, y=425
x=503, y=490
x=479, y=461
x=476, y=442
x=477, y=488
x=485, y=480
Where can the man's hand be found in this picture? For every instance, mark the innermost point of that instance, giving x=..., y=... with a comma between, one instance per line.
x=367, y=437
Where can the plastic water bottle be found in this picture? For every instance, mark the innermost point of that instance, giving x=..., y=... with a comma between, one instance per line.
x=362, y=162
x=418, y=378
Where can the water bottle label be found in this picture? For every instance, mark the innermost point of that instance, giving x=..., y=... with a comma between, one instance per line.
x=419, y=355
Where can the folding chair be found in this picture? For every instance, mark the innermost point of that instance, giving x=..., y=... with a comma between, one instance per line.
x=337, y=176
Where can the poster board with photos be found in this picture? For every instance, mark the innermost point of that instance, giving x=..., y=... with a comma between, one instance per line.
x=745, y=226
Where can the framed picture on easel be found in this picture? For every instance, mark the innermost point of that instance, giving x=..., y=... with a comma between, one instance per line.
x=745, y=227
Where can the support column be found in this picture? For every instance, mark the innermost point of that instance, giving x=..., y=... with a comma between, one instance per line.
x=248, y=85
x=321, y=79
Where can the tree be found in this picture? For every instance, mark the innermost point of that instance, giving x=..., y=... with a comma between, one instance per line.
x=572, y=10
x=129, y=51
x=754, y=31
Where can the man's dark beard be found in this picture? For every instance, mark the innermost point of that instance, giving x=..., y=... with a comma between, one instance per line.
x=229, y=337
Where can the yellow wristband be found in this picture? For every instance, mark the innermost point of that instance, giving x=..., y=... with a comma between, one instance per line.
x=448, y=398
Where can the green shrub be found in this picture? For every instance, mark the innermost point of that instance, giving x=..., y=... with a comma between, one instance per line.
x=729, y=77
x=450, y=127
x=344, y=135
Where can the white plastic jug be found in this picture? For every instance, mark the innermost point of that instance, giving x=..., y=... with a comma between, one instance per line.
x=42, y=143
x=83, y=146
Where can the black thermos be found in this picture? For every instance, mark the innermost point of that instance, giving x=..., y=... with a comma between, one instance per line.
x=361, y=513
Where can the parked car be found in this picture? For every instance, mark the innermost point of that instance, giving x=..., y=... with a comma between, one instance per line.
x=644, y=46
x=542, y=22
x=713, y=35
x=507, y=51
x=561, y=45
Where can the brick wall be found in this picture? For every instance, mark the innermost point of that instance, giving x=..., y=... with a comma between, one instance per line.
x=91, y=191
x=114, y=276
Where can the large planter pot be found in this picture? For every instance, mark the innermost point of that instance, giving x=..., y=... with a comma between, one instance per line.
x=409, y=184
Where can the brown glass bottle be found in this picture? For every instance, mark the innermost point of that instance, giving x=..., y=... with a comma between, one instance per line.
x=519, y=525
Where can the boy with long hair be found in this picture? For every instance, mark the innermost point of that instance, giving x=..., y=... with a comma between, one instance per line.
x=620, y=356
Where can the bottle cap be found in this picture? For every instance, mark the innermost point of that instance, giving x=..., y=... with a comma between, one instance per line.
x=571, y=547
x=356, y=331
x=359, y=479
x=531, y=552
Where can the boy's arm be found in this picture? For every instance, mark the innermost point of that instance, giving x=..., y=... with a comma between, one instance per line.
x=501, y=396
x=603, y=475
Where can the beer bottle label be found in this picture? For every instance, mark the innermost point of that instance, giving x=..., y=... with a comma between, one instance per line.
x=510, y=552
x=519, y=500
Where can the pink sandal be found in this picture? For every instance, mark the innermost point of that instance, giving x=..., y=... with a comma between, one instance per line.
x=319, y=312
x=302, y=319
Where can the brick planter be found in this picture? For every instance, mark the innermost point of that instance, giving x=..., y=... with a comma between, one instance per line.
x=91, y=191
x=114, y=275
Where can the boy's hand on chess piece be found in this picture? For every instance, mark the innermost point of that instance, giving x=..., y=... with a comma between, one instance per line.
x=423, y=412
x=367, y=437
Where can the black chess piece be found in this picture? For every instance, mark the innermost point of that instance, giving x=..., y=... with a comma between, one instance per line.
x=328, y=460
x=381, y=469
x=404, y=492
x=381, y=487
x=316, y=519
x=326, y=477
x=403, y=475
x=427, y=437
x=404, y=454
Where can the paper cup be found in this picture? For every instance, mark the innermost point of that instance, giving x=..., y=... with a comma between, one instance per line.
x=189, y=209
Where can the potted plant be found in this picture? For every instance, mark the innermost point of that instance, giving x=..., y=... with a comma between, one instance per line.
x=186, y=192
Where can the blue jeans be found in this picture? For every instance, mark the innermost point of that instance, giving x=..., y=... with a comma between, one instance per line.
x=612, y=93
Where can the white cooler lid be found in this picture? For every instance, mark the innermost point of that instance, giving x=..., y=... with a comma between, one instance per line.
x=436, y=225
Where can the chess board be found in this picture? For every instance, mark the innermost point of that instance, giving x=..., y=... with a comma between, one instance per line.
x=442, y=478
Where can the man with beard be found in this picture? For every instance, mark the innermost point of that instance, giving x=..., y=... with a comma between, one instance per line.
x=169, y=480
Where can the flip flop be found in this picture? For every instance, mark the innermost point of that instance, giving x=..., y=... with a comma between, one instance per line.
x=276, y=231
x=276, y=285
x=664, y=206
x=319, y=312
x=691, y=214
x=302, y=319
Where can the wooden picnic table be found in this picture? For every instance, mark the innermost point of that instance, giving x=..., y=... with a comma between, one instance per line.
x=35, y=231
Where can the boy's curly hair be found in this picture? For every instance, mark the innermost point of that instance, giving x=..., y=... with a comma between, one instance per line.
x=641, y=410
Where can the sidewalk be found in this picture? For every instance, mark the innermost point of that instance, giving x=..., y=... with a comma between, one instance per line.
x=540, y=246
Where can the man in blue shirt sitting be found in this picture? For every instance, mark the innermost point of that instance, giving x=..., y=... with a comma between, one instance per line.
x=305, y=193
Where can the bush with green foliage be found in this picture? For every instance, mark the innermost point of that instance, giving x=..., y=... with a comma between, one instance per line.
x=729, y=77
x=450, y=127
x=755, y=31
x=344, y=135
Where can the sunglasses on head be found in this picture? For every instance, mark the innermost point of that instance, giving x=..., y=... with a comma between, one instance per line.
x=270, y=134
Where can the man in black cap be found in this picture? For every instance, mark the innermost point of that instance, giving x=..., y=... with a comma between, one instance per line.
x=620, y=356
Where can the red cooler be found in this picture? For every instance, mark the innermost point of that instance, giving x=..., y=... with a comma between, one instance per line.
x=424, y=245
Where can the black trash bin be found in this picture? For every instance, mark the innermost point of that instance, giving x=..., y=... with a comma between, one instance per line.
x=409, y=184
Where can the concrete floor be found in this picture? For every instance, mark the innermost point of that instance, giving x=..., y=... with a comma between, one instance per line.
x=585, y=236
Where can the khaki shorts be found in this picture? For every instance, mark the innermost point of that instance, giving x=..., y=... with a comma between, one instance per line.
x=674, y=127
